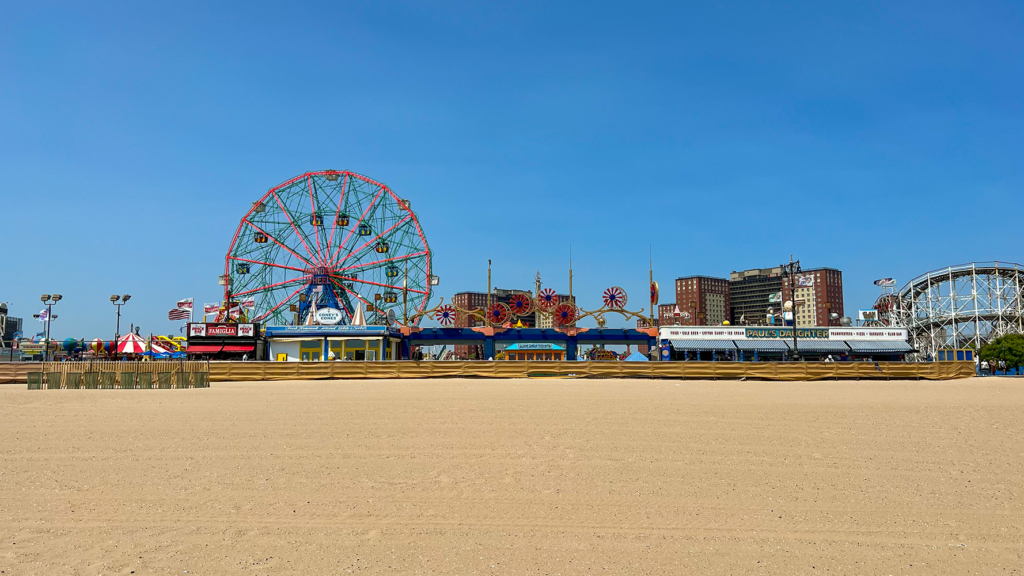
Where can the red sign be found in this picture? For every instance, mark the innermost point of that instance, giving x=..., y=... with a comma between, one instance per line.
x=221, y=329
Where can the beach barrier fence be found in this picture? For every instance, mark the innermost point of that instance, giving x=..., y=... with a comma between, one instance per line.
x=174, y=374
x=106, y=374
x=253, y=371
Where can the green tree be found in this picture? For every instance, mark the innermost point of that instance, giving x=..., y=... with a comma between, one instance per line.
x=1009, y=348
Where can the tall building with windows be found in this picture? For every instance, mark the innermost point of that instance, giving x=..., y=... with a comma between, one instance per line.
x=702, y=300
x=818, y=294
x=744, y=299
x=752, y=293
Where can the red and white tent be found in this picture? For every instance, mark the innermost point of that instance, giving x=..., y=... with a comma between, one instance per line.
x=130, y=343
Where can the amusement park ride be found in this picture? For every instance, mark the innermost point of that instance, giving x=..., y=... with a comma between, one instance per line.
x=546, y=301
x=963, y=306
x=328, y=239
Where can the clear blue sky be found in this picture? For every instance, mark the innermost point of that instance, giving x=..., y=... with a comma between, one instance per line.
x=883, y=139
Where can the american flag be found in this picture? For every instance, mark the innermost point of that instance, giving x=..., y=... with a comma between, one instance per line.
x=178, y=314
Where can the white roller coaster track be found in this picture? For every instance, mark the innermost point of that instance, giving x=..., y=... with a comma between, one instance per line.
x=961, y=306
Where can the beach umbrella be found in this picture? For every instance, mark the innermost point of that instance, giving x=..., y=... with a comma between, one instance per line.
x=131, y=343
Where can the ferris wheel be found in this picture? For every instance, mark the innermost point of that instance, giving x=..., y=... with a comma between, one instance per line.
x=329, y=239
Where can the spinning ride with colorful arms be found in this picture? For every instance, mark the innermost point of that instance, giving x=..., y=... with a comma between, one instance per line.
x=331, y=239
x=564, y=314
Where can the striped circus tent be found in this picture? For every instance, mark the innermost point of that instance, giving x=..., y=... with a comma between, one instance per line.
x=131, y=343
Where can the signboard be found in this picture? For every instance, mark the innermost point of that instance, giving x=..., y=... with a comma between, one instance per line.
x=328, y=315
x=666, y=350
x=703, y=333
x=534, y=346
x=223, y=329
x=757, y=333
x=868, y=333
x=325, y=330
x=805, y=281
x=771, y=332
x=867, y=315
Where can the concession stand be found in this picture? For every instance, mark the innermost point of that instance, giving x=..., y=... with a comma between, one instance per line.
x=225, y=341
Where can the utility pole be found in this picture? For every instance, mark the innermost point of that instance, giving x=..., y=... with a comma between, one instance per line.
x=488, y=311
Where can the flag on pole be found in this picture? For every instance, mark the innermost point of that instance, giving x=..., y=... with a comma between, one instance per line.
x=43, y=315
x=185, y=304
x=211, y=308
x=179, y=314
x=249, y=303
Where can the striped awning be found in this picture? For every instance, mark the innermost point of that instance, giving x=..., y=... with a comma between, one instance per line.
x=879, y=346
x=703, y=345
x=808, y=345
x=763, y=345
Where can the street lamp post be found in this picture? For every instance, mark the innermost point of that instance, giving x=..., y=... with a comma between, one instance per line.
x=693, y=315
x=119, y=301
x=3, y=328
x=49, y=301
x=790, y=270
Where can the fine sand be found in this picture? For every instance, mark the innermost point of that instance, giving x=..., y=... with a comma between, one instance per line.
x=515, y=477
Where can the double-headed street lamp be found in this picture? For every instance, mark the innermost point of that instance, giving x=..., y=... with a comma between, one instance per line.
x=49, y=300
x=119, y=301
x=791, y=270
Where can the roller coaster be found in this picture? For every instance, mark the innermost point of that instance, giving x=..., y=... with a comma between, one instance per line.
x=962, y=306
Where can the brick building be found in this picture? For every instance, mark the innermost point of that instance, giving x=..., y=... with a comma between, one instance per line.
x=819, y=294
x=704, y=299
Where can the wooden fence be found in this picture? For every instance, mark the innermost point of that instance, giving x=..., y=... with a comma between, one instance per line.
x=111, y=374
x=253, y=371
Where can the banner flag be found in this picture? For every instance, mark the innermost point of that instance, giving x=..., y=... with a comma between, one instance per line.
x=211, y=308
x=249, y=303
x=185, y=304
